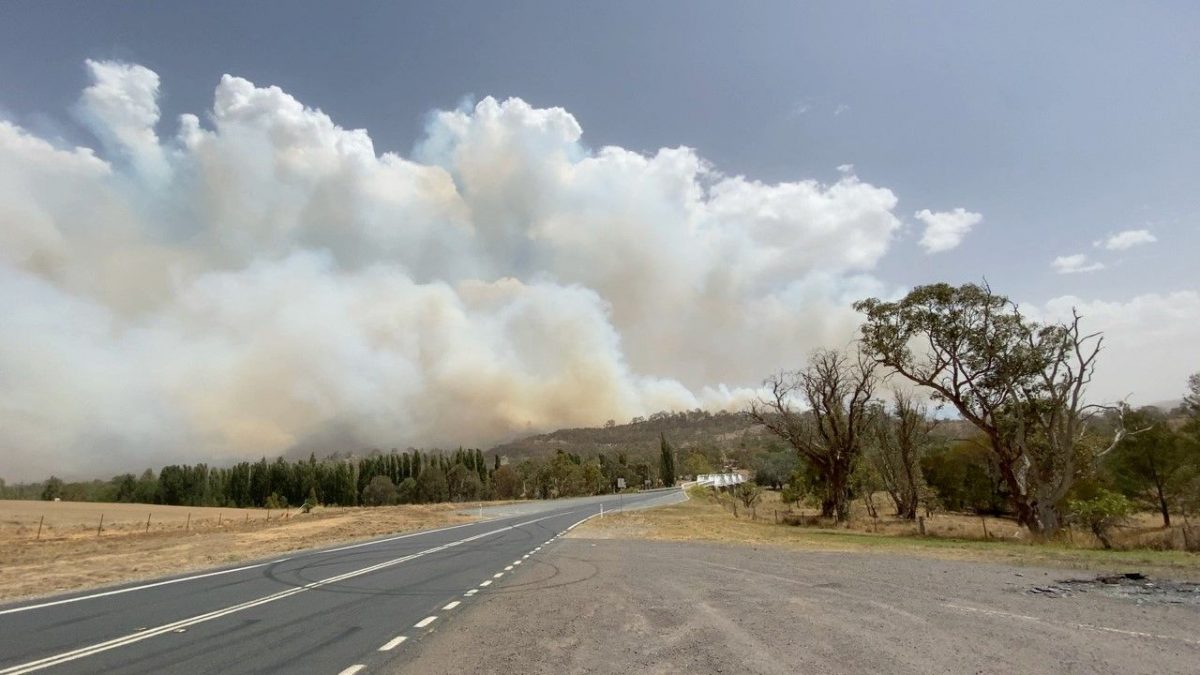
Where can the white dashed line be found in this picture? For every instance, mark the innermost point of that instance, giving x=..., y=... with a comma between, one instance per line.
x=425, y=622
x=352, y=669
x=497, y=575
x=471, y=592
x=451, y=605
x=508, y=569
x=486, y=583
x=516, y=562
x=524, y=556
x=392, y=644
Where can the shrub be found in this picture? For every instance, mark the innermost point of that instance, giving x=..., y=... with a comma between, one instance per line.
x=379, y=492
x=1101, y=514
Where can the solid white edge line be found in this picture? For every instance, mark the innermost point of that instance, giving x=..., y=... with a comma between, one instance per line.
x=132, y=638
x=451, y=605
x=393, y=643
x=425, y=622
x=119, y=591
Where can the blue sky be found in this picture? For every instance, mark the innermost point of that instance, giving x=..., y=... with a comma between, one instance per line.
x=570, y=278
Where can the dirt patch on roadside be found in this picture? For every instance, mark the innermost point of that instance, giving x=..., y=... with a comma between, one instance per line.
x=71, y=555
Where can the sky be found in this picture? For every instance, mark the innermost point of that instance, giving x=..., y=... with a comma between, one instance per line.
x=237, y=229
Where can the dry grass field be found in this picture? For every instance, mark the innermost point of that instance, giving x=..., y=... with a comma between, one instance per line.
x=19, y=518
x=72, y=554
x=949, y=536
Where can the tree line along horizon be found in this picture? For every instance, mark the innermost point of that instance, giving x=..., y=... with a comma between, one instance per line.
x=1033, y=447
x=378, y=479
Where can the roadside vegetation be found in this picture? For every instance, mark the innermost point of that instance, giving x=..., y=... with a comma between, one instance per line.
x=1030, y=449
x=708, y=517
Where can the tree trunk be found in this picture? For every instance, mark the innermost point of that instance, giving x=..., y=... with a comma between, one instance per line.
x=1048, y=519
x=837, y=502
x=1024, y=511
x=1102, y=536
x=1163, y=507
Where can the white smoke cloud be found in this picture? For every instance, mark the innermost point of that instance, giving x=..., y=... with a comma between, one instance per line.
x=1076, y=263
x=945, y=230
x=264, y=280
x=1127, y=239
x=1149, y=343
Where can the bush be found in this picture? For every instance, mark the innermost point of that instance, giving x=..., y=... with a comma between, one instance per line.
x=406, y=493
x=748, y=494
x=310, y=503
x=1101, y=514
x=379, y=492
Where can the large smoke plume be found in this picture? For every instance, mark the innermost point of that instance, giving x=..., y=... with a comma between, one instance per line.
x=262, y=280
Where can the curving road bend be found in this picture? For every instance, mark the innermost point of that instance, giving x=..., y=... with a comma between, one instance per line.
x=339, y=610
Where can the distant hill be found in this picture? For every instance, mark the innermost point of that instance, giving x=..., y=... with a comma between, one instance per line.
x=722, y=433
x=639, y=438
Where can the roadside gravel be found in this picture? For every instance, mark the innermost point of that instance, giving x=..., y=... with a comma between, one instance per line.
x=623, y=605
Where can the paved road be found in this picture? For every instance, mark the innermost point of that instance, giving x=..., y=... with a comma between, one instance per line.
x=627, y=606
x=323, y=611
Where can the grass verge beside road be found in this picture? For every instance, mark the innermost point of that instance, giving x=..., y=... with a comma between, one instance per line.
x=701, y=520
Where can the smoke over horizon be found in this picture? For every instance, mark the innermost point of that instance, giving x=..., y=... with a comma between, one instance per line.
x=262, y=280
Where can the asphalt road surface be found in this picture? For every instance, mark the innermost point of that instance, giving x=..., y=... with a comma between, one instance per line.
x=625, y=606
x=338, y=610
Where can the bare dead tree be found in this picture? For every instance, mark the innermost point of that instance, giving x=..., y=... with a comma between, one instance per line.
x=898, y=440
x=837, y=388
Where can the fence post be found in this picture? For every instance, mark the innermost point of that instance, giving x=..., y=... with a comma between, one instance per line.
x=188, y=524
x=43, y=519
x=148, y=520
x=100, y=527
x=218, y=519
x=921, y=524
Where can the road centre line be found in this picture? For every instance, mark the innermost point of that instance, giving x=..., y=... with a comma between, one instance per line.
x=175, y=626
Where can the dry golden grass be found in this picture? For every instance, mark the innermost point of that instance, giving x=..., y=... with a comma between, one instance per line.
x=951, y=536
x=71, y=555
